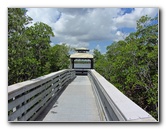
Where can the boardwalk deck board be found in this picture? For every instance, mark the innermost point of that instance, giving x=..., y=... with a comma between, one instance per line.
x=76, y=103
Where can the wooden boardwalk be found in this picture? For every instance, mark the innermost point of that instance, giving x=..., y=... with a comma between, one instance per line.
x=76, y=104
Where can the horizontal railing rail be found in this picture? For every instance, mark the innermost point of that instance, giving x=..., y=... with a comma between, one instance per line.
x=114, y=105
x=26, y=100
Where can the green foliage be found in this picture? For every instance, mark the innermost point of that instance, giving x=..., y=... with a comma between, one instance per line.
x=101, y=64
x=17, y=45
x=29, y=52
x=59, y=57
x=39, y=44
x=132, y=65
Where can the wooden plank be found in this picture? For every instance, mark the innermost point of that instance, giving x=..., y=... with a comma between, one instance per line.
x=25, y=107
x=24, y=98
x=36, y=107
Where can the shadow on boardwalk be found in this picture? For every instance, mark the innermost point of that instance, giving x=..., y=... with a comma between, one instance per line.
x=52, y=103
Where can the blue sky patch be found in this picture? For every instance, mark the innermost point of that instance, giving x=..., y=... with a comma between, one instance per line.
x=127, y=10
x=127, y=29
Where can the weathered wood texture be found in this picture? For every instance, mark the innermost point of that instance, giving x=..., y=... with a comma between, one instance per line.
x=26, y=100
x=114, y=105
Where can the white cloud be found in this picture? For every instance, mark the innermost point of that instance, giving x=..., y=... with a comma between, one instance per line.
x=98, y=47
x=120, y=35
x=79, y=26
x=46, y=15
x=129, y=20
x=93, y=24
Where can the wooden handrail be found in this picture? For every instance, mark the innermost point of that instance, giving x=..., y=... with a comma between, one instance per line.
x=26, y=100
x=114, y=105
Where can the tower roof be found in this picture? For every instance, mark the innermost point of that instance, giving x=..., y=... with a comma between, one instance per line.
x=82, y=49
x=81, y=54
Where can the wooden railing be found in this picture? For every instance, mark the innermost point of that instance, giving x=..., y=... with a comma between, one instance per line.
x=28, y=99
x=113, y=105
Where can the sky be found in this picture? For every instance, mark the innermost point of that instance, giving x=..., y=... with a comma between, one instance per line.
x=93, y=28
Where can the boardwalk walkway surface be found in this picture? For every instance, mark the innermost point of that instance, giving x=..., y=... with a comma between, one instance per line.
x=76, y=103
